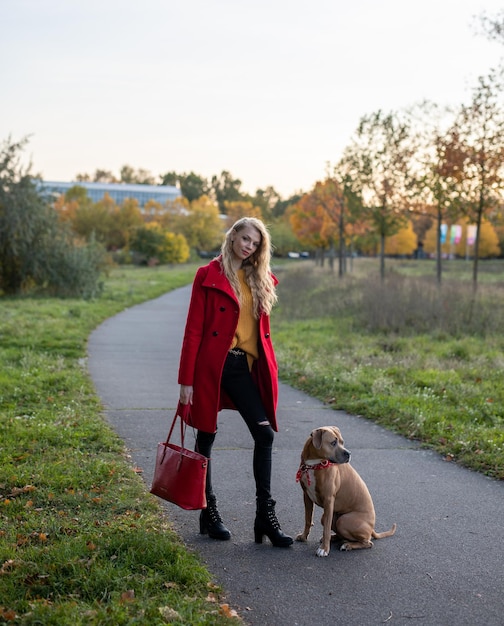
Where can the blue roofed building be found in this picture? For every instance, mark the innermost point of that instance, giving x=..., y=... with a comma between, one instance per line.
x=119, y=192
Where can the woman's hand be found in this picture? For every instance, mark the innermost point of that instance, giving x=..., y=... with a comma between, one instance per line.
x=186, y=394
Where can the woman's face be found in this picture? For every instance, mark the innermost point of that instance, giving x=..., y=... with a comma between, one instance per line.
x=245, y=242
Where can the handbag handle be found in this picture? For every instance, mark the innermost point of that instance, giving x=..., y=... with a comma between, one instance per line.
x=183, y=411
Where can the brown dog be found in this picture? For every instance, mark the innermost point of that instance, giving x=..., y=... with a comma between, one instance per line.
x=329, y=481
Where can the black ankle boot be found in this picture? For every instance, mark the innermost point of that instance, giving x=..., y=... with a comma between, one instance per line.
x=211, y=522
x=266, y=523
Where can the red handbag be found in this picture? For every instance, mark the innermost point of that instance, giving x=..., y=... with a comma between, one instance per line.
x=180, y=474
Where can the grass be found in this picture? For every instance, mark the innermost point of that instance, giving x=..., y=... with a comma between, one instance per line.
x=81, y=542
x=424, y=362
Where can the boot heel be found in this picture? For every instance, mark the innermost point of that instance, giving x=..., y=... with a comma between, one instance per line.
x=266, y=523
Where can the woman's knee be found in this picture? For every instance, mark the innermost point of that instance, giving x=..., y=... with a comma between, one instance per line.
x=264, y=434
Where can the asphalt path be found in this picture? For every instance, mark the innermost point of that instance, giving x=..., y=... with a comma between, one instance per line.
x=443, y=567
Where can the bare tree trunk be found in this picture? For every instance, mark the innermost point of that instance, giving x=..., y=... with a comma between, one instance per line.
x=382, y=256
x=438, y=248
x=476, y=252
x=341, y=245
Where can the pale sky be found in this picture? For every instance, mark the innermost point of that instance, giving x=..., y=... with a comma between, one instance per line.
x=269, y=90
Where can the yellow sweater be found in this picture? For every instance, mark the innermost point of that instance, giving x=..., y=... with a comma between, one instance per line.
x=247, y=330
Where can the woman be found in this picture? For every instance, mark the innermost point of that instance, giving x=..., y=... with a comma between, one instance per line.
x=228, y=361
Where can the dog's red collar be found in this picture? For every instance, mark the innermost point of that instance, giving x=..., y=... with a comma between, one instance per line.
x=304, y=468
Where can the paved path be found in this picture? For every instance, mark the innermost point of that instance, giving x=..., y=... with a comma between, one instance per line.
x=444, y=566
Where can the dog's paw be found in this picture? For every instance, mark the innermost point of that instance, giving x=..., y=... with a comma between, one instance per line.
x=345, y=547
x=302, y=537
x=322, y=552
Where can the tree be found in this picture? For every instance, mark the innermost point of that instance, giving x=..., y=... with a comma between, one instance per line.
x=282, y=238
x=377, y=164
x=104, y=176
x=403, y=243
x=225, y=188
x=267, y=200
x=94, y=220
x=137, y=177
x=104, y=221
x=152, y=245
x=170, y=178
x=328, y=200
x=481, y=128
x=240, y=208
x=192, y=186
x=36, y=248
x=202, y=226
x=440, y=158
x=306, y=218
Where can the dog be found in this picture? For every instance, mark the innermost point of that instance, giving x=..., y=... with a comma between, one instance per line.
x=329, y=481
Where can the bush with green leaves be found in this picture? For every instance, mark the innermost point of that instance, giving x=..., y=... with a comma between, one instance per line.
x=151, y=245
x=37, y=251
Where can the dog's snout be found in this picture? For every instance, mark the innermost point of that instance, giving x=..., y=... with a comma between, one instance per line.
x=347, y=454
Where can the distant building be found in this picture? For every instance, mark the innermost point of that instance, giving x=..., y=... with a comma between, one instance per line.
x=117, y=191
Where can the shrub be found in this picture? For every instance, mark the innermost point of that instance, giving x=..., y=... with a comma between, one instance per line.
x=36, y=250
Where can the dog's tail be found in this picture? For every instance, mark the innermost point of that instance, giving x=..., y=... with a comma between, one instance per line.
x=387, y=533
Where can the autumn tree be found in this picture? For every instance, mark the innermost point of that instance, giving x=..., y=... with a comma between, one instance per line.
x=104, y=221
x=152, y=245
x=441, y=158
x=481, y=128
x=403, y=243
x=307, y=218
x=202, y=226
x=240, y=208
x=377, y=161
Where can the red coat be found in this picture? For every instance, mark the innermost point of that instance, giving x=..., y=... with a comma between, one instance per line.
x=211, y=324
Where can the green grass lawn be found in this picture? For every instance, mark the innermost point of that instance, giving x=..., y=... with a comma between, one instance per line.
x=81, y=540
x=424, y=361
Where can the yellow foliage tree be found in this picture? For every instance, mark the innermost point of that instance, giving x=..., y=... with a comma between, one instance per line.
x=241, y=208
x=176, y=249
x=403, y=243
x=202, y=227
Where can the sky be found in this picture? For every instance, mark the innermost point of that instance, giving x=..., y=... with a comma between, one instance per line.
x=269, y=90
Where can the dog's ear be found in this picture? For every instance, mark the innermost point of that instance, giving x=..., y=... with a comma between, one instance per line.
x=317, y=438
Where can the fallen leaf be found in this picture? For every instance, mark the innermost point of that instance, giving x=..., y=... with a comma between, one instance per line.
x=227, y=611
x=8, y=615
x=169, y=614
x=7, y=566
x=171, y=585
x=128, y=596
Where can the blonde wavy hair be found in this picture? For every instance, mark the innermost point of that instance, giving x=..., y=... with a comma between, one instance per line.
x=257, y=266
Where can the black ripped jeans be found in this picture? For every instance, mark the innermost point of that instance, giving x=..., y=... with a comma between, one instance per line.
x=237, y=382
